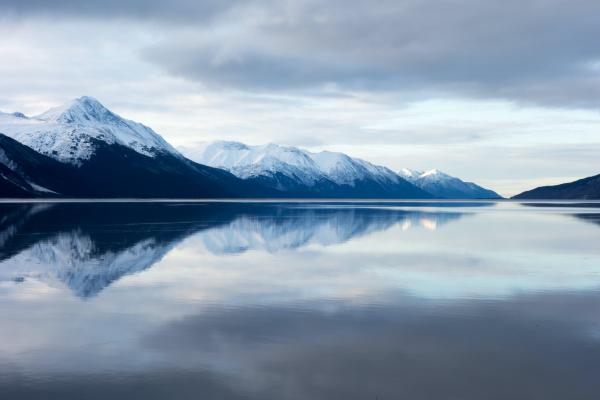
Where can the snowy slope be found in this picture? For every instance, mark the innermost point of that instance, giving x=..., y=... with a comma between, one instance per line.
x=19, y=165
x=443, y=185
x=68, y=133
x=252, y=161
x=307, y=167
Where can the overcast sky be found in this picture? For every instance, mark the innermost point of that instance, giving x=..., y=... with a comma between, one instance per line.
x=506, y=94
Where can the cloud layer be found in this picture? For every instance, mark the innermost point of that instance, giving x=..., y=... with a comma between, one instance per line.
x=536, y=51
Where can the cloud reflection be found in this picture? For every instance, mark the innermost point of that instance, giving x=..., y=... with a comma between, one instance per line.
x=529, y=347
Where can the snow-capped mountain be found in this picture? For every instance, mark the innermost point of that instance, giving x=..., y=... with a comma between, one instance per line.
x=445, y=186
x=294, y=170
x=297, y=171
x=82, y=149
x=71, y=133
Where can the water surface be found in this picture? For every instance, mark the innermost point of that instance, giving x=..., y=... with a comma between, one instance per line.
x=211, y=300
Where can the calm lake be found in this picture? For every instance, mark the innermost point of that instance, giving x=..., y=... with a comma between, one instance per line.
x=299, y=300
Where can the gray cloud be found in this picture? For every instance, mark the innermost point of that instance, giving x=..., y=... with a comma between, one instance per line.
x=165, y=11
x=540, y=344
x=543, y=52
x=349, y=353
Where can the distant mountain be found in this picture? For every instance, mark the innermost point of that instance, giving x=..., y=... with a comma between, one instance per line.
x=582, y=189
x=445, y=186
x=84, y=150
x=301, y=173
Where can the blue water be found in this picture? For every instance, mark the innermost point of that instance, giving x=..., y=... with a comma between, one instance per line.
x=298, y=300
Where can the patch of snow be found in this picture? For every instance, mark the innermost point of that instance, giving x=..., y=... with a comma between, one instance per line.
x=39, y=188
x=13, y=182
x=6, y=161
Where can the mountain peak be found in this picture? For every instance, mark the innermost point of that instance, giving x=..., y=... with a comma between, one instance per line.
x=83, y=110
x=228, y=144
x=433, y=172
x=410, y=174
x=88, y=102
x=71, y=132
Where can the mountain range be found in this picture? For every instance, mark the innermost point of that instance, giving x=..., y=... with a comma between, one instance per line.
x=82, y=149
x=303, y=173
x=300, y=173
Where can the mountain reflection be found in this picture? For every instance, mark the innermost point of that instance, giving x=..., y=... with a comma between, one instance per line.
x=292, y=227
x=87, y=246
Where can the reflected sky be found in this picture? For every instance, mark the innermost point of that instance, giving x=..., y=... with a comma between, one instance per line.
x=299, y=300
